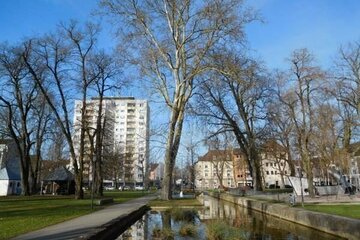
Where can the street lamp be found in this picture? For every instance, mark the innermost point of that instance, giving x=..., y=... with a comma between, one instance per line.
x=301, y=187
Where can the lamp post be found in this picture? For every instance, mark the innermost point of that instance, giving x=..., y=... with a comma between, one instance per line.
x=301, y=188
x=92, y=183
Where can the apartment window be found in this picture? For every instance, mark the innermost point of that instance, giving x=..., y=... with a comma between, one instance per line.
x=275, y=172
x=267, y=172
x=206, y=174
x=272, y=172
x=267, y=164
x=271, y=164
x=285, y=172
x=206, y=166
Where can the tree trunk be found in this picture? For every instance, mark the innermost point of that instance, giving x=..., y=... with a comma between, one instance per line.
x=172, y=147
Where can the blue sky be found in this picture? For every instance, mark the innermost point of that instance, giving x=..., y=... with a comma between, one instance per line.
x=320, y=25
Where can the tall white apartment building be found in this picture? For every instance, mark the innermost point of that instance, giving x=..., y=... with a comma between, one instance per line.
x=126, y=135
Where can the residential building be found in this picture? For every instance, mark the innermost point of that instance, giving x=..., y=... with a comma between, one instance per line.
x=156, y=173
x=125, y=123
x=354, y=168
x=275, y=168
x=10, y=179
x=235, y=169
x=214, y=169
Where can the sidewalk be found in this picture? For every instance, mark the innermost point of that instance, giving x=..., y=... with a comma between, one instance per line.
x=86, y=226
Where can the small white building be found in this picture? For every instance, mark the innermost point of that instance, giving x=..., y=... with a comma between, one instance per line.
x=213, y=167
x=10, y=180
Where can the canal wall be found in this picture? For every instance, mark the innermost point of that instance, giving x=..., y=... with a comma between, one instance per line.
x=340, y=226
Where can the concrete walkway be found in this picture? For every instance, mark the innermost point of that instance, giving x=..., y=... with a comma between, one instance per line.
x=86, y=226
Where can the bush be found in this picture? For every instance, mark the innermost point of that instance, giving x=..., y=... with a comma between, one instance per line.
x=187, y=215
x=221, y=230
x=163, y=234
x=188, y=230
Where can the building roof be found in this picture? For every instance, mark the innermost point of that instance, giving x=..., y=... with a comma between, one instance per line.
x=60, y=174
x=10, y=174
x=153, y=166
x=218, y=154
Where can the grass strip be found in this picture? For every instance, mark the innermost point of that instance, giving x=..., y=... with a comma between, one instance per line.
x=344, y=210
x=187, y=202
x=19, y=214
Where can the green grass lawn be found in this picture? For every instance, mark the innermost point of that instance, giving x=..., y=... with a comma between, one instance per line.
x=345, y=210
x=19, y=214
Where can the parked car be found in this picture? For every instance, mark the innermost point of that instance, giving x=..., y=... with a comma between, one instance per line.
x=124, y=188
x=139, y=187
x=109, y=188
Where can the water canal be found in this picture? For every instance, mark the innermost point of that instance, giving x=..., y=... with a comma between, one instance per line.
x=234, y=221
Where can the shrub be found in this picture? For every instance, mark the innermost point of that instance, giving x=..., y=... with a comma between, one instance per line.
x=221, y=230
x=163, y=234
x=184, y=214
x=188, y=230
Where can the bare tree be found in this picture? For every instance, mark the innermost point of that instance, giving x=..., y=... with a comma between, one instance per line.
x=176, y=37
x=57, y=63
x=17, y=103
x=43, y=118
x=300, y=102
x=280, y=124
x=232, y=100
x=346, y=89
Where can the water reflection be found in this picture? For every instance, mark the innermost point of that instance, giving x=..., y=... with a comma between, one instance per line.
x=153, y=220
x=250, y=224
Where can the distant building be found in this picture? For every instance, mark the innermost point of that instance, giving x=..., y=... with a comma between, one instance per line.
x=214, y=167
x=354, y=168
x=126, y=135
x=156, y=173
x=235, y=169
x=10, y=178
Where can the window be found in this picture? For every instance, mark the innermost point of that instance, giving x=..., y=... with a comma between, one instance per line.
x=206, y=166
x=267, y=172
x=271, y=164
x=272, y=172
x=206, y=174
x=267, y=164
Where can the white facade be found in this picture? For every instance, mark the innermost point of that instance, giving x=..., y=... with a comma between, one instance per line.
x=126, y=131
x=9, y=169
x=207, y=174
x=275, y=171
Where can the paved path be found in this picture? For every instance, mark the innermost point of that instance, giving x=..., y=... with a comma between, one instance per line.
x=84, y=225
